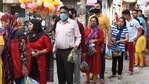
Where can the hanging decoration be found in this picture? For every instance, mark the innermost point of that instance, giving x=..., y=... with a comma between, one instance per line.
x=41, y=6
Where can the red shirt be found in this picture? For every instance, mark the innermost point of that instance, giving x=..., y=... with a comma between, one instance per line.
x=82, y=44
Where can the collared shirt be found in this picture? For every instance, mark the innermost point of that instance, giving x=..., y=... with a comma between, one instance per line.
x=67, y=34
x=132, y=26
x=104, y=23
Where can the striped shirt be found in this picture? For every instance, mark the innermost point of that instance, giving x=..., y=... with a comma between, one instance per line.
x=115, y=31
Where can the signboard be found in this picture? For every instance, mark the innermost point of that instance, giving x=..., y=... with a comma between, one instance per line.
x=10, y=1
x=130, y=1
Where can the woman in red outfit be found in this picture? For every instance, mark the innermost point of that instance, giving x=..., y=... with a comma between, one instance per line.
x=40, y=45
x=94, y=37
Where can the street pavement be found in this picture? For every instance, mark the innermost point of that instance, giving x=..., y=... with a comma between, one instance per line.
x=140, y=75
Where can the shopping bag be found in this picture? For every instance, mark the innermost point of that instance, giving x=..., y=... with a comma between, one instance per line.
x=109, y=54
x=28, y=80
x=72, y=56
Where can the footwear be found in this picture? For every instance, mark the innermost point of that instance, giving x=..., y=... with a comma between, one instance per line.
x=87, y=82
x=119, y=77
x=93, y=82
x=136, y=65
x=102, y=81
x=130, y=73
x=112, y=76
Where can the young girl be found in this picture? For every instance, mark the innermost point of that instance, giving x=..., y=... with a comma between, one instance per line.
x=140, y=50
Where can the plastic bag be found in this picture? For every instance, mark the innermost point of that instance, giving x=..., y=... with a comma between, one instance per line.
x=28, y=80
x=109, y=54
x=91, y=49
x=72, y=56
x=84, y=66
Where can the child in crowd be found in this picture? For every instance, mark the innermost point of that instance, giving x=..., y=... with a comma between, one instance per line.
x=140, y=50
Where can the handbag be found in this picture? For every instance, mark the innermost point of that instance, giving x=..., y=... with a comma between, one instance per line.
x=91, y=49
x=72, y=56
x=116, y=50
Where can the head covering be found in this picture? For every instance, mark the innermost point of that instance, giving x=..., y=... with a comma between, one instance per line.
x=12, y=24
x=12, y=21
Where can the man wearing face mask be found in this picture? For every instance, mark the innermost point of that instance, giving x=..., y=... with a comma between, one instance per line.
x=81, y=48
x=67, y=37
x=104, y=24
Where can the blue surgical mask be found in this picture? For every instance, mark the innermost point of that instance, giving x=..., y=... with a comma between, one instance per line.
x=63, y=16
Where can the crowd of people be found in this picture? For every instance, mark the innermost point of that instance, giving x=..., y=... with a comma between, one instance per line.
x=25, y=55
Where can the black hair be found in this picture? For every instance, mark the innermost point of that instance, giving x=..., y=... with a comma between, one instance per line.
x=123, y=20
x=140, y=10
x=142, y=33
x=64, y=7
x=126, y=12
x=73, y=11
x=135, y=10
x=96, y=19
x=54, y=17
x=37, y=27
x=100, y=3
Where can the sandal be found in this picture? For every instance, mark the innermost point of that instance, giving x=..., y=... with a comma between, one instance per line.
x=92, y=82
x=112, y=76
x=87, y=82
x=130, y=73
x=102, y=81
x=119, y=77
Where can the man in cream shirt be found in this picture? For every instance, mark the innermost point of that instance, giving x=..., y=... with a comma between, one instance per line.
x=67, y=37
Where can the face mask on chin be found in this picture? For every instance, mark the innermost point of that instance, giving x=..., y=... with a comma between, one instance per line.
x=97, y=11
x=63, y=16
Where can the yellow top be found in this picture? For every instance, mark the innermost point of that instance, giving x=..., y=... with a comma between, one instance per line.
x=104, y=23
x=1, y=43
x=140, y=44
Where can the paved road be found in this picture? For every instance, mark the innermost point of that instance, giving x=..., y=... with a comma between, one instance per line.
x=140, y=76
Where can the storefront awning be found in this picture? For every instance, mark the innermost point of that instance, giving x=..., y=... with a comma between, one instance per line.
x=130, y=1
